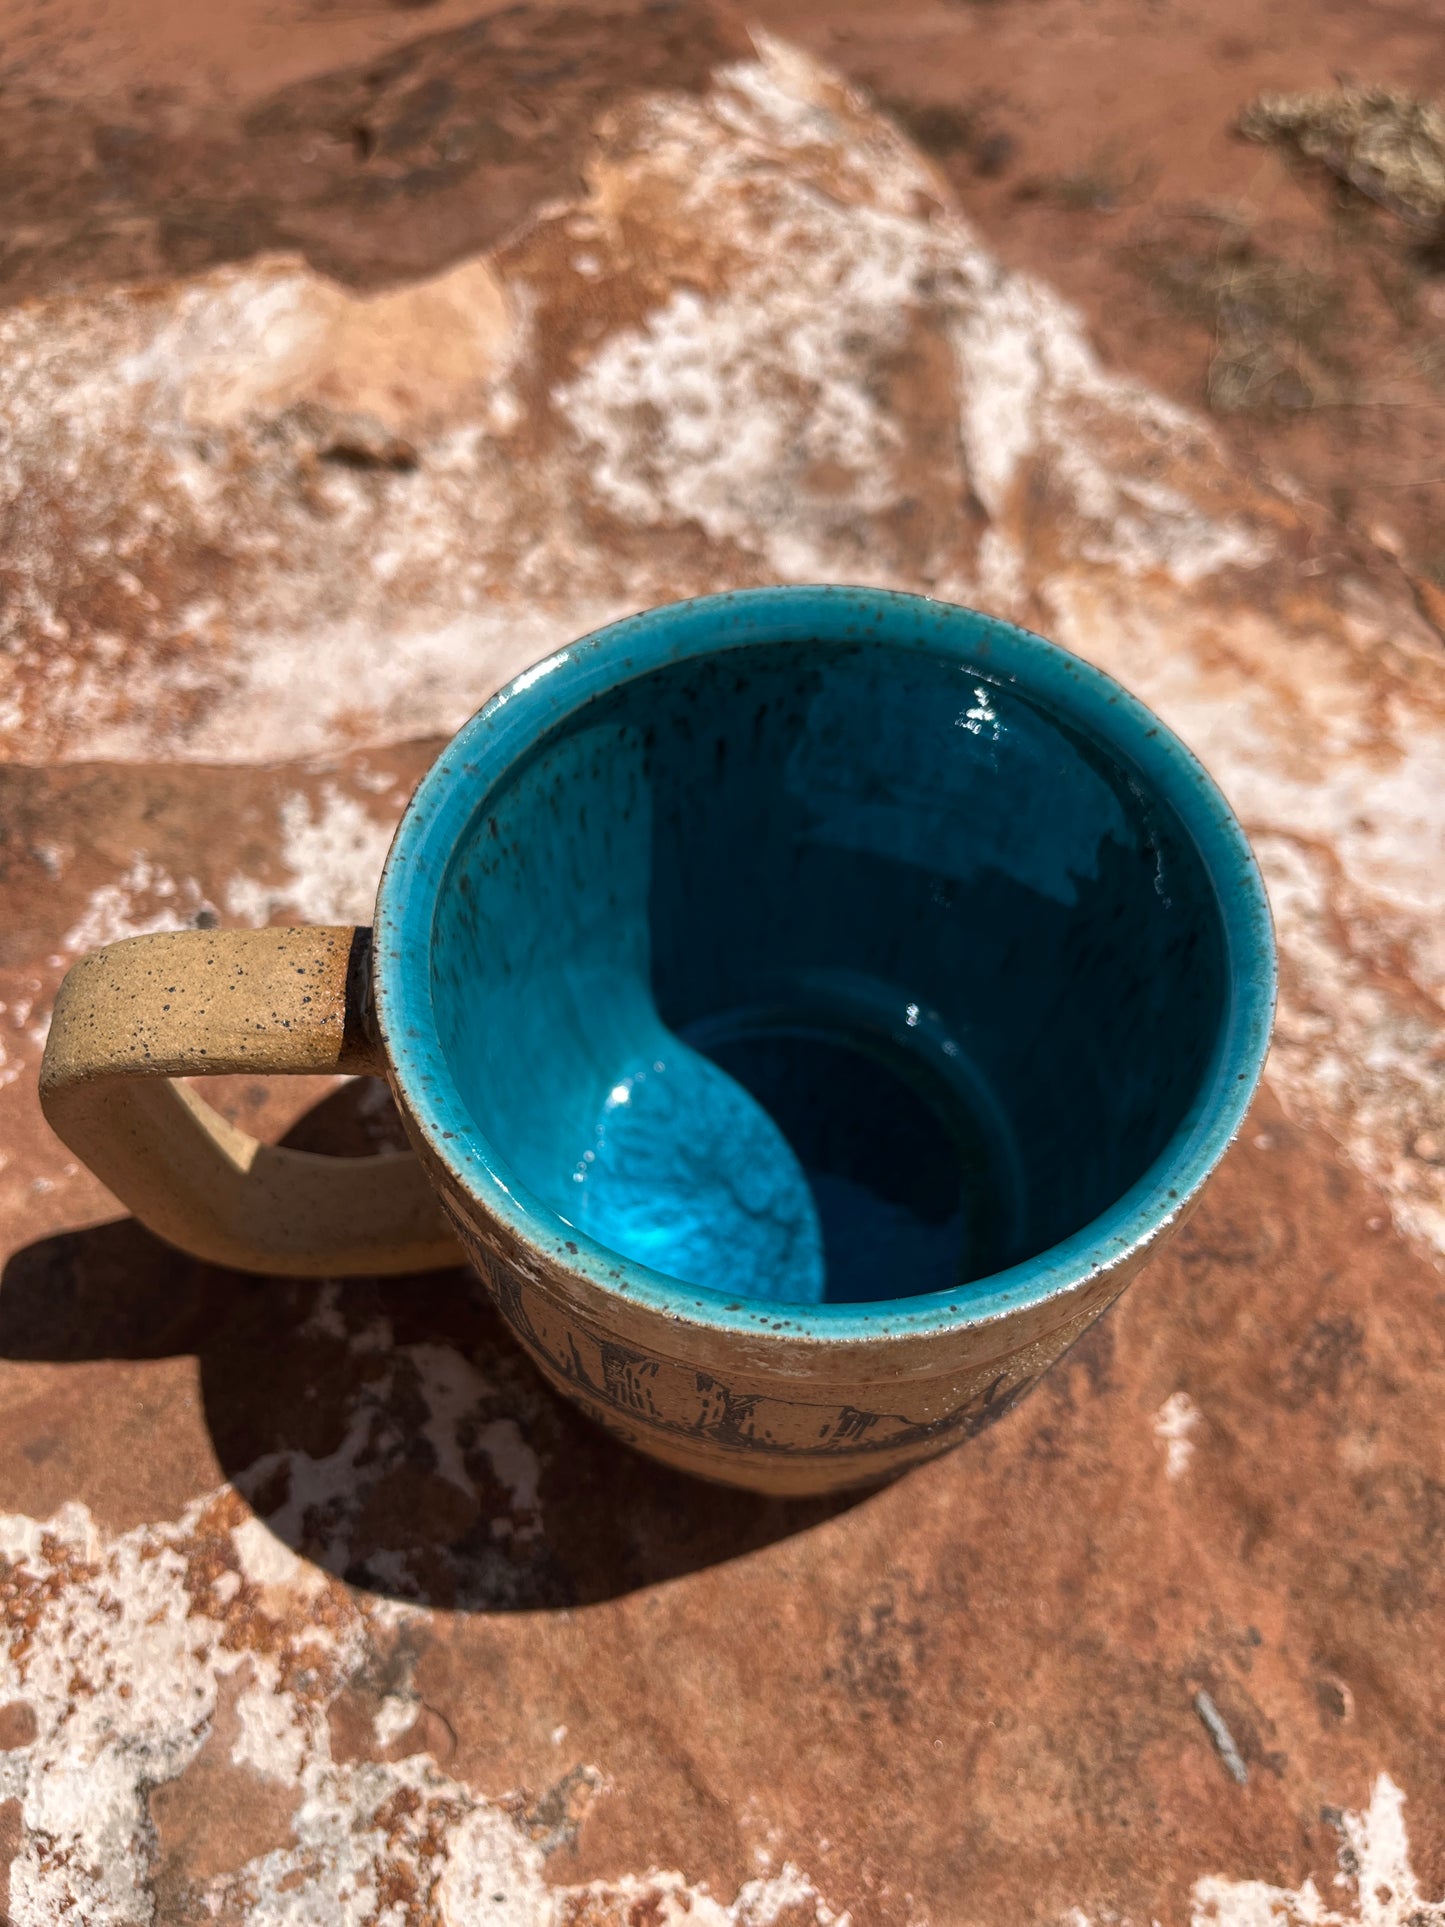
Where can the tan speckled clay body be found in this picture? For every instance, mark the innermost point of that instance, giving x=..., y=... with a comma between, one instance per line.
x=136, y=1015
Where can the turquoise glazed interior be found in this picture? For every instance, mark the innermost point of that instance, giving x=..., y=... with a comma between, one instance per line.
x=824, y=948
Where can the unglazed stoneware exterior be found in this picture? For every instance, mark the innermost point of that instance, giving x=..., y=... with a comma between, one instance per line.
x=810, y=1007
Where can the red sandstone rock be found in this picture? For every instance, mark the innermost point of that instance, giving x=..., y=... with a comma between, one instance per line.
x=315, y=1599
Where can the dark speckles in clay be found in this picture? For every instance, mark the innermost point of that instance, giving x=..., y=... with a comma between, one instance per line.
x=826, y=972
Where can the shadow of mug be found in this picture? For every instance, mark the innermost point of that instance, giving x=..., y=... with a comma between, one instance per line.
x=390, y=1430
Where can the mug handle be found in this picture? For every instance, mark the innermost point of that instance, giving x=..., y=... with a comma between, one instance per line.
x=137, y=1014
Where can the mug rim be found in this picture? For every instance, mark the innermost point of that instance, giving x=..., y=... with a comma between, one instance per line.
x=546, y=694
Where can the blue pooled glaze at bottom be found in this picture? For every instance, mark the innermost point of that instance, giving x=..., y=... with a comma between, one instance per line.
x=826, y=948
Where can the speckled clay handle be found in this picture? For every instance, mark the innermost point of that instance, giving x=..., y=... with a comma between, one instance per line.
x=137, y=1014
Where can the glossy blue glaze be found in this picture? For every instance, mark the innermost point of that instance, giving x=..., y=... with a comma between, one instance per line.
x=824, y=947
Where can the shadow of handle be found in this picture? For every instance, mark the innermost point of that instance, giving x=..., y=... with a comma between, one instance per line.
x=132, y=1017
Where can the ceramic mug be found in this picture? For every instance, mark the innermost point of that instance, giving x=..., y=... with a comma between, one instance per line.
x=810, y=1007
